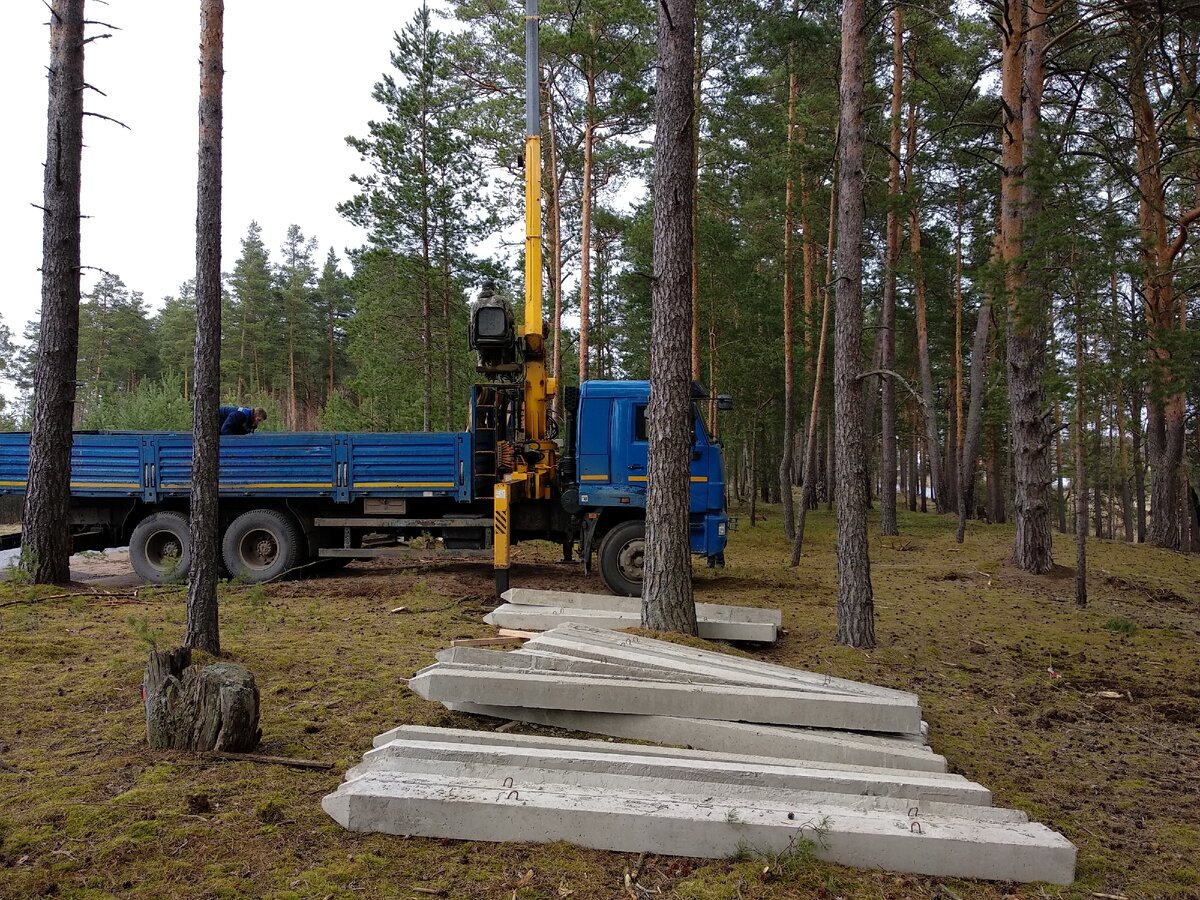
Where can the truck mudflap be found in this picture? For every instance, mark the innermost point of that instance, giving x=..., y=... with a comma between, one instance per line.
x=587, y=537
x=709, y=533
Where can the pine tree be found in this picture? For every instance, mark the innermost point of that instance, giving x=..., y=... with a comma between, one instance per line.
x=203, y=627
x=667, y=603
x=414, y=200
x=252, y=350
x=45, y=533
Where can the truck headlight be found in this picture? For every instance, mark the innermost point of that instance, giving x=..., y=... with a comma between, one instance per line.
x=721, y=528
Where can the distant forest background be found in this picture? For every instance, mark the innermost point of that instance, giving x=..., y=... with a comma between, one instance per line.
x=377, y=340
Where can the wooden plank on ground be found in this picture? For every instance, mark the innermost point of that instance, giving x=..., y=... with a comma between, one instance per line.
x=516, y=633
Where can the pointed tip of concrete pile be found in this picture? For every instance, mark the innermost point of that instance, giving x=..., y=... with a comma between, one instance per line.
x=419, y=684
x=337, y=807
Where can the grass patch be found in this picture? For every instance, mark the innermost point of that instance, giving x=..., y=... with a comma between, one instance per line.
x=90, y=811
x=1121, y=625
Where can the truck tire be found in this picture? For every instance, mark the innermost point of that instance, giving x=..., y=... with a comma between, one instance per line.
x=261, y=544
x=160, y=548
x=622, y=558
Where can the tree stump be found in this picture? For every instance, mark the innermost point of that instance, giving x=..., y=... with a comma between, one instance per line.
x=213, y=707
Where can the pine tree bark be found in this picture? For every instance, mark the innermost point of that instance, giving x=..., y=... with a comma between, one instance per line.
x=887, y=463
x=974, y=428
x=808, y=497
x=1080, y=479
x=585, y=223
x=1021, y=93
x=1060, y=497
x=933, y=451
x=789, y=299
x=667, y=603
x=1165, y=406
x=855, y=605
x=697, y=96
x=203, y=632
x=45, y=521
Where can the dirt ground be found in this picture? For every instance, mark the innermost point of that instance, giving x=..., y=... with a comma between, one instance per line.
x=1087, y=719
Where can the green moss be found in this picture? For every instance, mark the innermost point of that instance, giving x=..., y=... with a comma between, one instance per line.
x=955, y=624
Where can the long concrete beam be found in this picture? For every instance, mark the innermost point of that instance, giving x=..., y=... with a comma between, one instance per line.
x=635, y=821
x=580, y=639
x=521, y=661
x=396, y=761
x=807, y=744
x=731, y=703
x=645, y=771
x=633, y=605
x=565, y=745
x=542, y=618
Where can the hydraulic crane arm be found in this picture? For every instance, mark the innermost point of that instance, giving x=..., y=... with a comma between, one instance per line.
x=535, y=469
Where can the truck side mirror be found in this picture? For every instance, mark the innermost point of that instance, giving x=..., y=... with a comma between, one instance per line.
x=724, y=402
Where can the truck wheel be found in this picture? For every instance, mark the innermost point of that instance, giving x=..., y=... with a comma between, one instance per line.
x=261, y=544
x=159, y=548
x=623, y=557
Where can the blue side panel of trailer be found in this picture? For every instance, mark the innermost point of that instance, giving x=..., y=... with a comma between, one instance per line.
x=435, y=464
x=102, y=464
x=340, y=466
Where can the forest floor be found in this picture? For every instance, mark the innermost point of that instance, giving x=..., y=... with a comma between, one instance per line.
x=1009, y=672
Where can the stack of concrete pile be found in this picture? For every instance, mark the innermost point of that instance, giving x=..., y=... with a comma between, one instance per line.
x=534, y=610
x=776, y=757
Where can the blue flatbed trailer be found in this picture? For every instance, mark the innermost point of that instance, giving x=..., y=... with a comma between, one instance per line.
x=341, y=467
x=295, y=500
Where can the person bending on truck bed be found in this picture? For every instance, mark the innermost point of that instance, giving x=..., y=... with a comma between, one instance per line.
x=241, y=419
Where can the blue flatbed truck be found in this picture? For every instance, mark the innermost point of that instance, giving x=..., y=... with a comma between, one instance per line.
x=289, y=500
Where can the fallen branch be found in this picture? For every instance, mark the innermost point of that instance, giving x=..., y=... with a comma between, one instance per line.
x=268, y=760
x=86, y=595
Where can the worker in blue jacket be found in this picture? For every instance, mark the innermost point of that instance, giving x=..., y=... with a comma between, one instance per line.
x=241, y=419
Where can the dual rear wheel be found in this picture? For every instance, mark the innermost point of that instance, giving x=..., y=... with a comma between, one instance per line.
x=258, y=545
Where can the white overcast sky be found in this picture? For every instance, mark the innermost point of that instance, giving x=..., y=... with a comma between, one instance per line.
x=298, y=80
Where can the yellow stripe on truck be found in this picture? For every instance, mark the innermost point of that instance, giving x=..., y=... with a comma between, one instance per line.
x=403, y=484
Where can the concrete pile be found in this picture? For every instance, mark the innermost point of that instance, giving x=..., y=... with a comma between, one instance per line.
x=534, y=610
x=776, y=758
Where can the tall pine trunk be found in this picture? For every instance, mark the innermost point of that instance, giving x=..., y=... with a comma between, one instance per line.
x=203, y=632
x=855, y=604
x=789, y=298
x=887, y=463
x=808, y=498
x=1080, y=479
x=45, y=529
x=697, y=96
x=933, y=451
x=1021, y=81
x=585, y=223
x=974, y=428
x=1165, y=406
x=667, y=602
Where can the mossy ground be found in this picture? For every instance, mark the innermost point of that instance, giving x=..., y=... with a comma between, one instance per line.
x=1007, y=667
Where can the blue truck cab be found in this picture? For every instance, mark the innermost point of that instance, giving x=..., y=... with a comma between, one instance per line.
x=610, y=450
x=307, y=501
